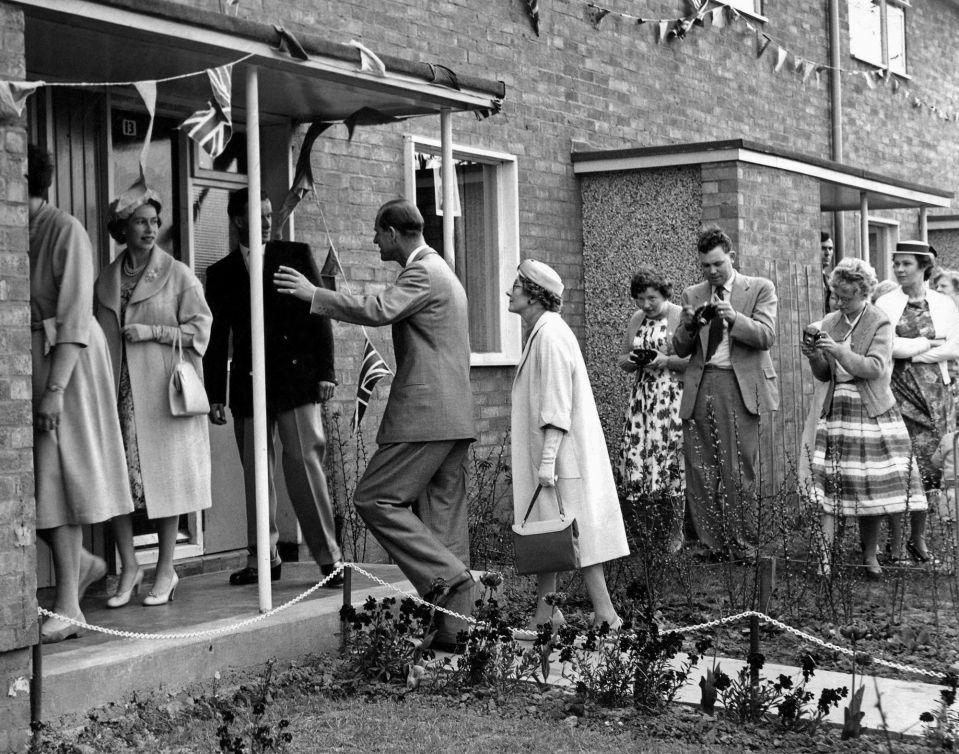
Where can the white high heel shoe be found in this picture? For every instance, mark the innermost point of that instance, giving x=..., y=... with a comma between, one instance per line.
x=155, y=598
x=119, y=599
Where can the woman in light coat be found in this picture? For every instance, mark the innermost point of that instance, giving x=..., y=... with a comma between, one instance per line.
x=146, y=299
x=79, y=471
x=557, y=440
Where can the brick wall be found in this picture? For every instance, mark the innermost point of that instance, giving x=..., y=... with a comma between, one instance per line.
x=18, y=607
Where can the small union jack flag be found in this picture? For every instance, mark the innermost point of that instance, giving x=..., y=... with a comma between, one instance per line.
x=212, y=128
x=372, y=370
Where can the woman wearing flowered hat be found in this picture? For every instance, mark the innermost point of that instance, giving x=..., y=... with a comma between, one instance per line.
x=926, y=338
x=146, y=299
x=557, y=440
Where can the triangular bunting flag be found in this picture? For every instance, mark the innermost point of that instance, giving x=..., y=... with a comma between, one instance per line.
x=303, y=175
x=596, y=15
x=213, y=127
x=762, y=43
x=372, y=370
x=443, y=76
x=808, y=69
x=289, y=44
x=719, y=17
x=331, y=268
x=13, y=96
x=369, y=61
x=870, y=80
x=148, y=93
x=367, y=116
x=532, y=7
x=663, y=30
x=781, y=56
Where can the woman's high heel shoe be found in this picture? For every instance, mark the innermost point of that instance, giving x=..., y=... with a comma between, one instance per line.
x=873, y=570
x=920, y=555
x=119, y=599
x=161, y=598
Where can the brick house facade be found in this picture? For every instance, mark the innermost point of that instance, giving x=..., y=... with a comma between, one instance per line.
x=580, y=86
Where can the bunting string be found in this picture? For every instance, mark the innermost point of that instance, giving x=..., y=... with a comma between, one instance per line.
x=179, y=76
x=722, y=16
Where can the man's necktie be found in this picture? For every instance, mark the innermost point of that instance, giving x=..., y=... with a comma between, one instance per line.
x=715, y=330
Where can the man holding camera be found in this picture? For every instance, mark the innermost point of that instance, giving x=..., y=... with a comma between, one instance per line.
x=728, y=325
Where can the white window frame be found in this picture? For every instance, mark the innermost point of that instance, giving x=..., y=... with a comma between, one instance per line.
x=507, y=234
x=752, y=8
x=887, y=231
x=862, y=50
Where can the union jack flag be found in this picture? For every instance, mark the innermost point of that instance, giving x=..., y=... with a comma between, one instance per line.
x=212, y=128
x=372, y=370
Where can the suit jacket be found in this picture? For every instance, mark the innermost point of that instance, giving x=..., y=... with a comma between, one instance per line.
x=750, y=337
x=431, y=398
x=299, y=348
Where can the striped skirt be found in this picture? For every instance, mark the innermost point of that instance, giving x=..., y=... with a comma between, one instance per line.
x=863, y=466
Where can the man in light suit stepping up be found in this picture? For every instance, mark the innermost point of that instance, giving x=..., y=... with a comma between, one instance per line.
x=728, y=327
x=413, y=493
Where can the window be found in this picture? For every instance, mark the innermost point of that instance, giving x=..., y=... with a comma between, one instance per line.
x=883, y=237
x=486, y=237
x=877, y=33
x=752, y=7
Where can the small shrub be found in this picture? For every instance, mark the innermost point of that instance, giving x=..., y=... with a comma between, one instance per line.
x=382, y=642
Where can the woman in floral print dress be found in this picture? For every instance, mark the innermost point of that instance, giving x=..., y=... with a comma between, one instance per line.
x=650, y=471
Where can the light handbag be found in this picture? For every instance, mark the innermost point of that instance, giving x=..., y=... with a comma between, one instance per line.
x=546, y=546
x=187, y=394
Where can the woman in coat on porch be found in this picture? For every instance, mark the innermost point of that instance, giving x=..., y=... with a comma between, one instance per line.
x=145, y=300
x=79, y=467
x=926, y=339
x=557, y=441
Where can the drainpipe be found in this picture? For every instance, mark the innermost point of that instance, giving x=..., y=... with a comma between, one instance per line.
x=835, y=108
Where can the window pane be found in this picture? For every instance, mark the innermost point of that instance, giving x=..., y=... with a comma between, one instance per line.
x=211, y=227
x=865, y=31
x=896, y=23
x=474, y=239
x=750, y=6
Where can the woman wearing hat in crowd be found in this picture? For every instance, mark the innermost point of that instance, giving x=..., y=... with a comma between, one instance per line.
x=926, y=338
x=557, y=441
x=145, y=300
x=79, y=469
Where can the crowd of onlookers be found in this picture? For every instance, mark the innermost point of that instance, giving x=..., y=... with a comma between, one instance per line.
x=878, y=439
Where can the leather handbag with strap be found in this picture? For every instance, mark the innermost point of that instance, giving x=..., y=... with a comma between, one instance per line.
x=546, y=546
x=186, y=391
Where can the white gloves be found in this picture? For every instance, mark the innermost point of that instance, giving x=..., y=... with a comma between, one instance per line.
x=547, y=464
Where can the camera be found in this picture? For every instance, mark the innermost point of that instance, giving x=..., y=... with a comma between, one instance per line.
x=706, y=312
x=810, y=335
x=643, y=356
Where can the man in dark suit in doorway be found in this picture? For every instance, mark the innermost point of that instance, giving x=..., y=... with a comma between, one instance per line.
x=728, y=327
x=299, y=377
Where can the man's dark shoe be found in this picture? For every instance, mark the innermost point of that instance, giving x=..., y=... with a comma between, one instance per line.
x=445, y=645
x=441, y=591
x=337, y=581
x=248, y=575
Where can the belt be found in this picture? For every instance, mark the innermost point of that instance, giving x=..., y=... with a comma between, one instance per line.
x=714, y=368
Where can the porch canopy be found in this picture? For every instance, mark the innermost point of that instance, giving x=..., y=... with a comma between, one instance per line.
x=842, y=188
x=131, y=40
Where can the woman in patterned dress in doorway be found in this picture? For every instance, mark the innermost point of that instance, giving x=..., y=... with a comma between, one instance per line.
x=650, y=471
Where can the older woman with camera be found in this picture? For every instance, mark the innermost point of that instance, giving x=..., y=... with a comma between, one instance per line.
x=862, y=461
x=152, y=310
x=926, y=340
x=651, y=450
x=558, y=442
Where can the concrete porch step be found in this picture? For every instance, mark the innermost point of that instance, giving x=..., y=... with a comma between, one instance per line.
x=96, y=669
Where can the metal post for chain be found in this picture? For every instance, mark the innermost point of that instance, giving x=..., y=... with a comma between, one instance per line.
x=766, y=572
x=36, y=680
x=347, y=601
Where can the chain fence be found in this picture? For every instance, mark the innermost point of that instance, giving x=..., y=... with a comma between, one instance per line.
x=231, y=628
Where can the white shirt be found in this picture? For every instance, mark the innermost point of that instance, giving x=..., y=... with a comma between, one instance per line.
x=721, y=358
x=415, y=253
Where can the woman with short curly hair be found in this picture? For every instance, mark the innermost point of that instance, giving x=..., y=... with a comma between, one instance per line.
x=862, y=463
x=650, y=471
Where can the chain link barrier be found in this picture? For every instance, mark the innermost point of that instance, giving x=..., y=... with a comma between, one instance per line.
x=469, y=619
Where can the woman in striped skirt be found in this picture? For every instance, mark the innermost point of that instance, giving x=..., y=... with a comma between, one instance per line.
x=862, y=463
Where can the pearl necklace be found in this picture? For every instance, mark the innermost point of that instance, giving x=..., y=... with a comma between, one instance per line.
x=129, y=270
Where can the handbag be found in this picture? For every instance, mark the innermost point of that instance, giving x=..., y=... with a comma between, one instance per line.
x=546, y=546
x=186, y=391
